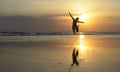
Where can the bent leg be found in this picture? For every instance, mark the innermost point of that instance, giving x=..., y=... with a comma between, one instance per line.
x=77, y=28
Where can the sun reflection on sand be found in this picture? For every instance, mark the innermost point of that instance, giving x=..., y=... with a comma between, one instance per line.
x=82, y=47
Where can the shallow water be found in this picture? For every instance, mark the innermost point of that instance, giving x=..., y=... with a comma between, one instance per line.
x=97, y=53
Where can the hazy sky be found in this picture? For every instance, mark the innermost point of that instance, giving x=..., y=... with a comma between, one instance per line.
x=52, y=15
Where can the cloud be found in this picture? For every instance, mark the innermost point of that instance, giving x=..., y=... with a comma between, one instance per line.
x=31, y=23
x=3, y=14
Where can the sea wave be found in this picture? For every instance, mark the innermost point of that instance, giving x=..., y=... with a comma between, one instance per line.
x=55, y=33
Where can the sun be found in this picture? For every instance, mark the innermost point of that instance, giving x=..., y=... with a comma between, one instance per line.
x=84, y=17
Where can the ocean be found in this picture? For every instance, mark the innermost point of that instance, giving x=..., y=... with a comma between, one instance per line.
x=53, y=53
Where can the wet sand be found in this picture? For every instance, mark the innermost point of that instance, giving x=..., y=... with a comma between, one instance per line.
x=54, y=53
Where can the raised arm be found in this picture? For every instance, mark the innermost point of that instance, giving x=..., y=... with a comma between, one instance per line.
x=71, y=15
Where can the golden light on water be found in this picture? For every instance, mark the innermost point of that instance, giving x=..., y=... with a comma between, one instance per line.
x=82, y=47
x=81, y=37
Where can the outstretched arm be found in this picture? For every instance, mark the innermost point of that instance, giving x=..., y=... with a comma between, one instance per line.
x=80, y=22
x=71, y=15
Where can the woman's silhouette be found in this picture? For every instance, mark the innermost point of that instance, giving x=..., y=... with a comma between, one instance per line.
x=75, y=27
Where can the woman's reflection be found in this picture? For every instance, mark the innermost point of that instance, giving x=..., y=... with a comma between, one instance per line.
x=79, y=52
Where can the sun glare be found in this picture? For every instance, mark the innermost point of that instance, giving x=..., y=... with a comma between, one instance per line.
x=84, y=16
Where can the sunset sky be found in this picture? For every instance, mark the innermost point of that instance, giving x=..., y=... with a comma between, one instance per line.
x=52, y=15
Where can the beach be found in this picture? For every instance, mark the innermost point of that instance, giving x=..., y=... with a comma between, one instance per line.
x=53, y=53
